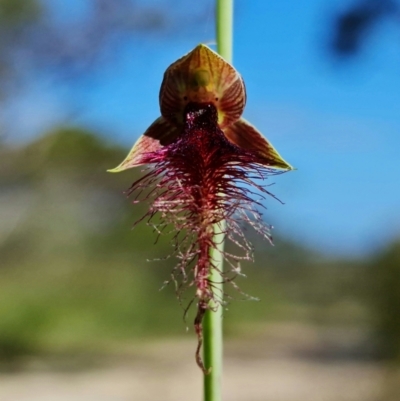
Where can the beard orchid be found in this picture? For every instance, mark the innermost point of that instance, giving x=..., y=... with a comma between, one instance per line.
x=203, y=162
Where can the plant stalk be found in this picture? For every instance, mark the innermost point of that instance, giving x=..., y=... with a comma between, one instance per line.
x=212, y=325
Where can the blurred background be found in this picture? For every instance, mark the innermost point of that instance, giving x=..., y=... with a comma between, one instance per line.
x=81, y=314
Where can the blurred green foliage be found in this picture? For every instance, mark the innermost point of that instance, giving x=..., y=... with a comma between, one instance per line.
x=385, y=301
x=19, y=11
x=74, y=276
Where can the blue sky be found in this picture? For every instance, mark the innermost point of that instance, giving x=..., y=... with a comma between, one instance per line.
x=338, y=124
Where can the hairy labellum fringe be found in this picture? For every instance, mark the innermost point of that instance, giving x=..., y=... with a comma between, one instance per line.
x=194, y=183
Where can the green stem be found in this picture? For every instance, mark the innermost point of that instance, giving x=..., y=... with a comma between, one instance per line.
x=224, y=20
x=212, y=325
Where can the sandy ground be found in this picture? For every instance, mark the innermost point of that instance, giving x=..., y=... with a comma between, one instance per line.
x=284, y=363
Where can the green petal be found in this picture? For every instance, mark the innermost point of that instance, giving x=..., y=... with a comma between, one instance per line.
x=247, y=137
x=159, y=134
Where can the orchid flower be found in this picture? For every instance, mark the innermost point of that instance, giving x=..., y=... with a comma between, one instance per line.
x=203, y=159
